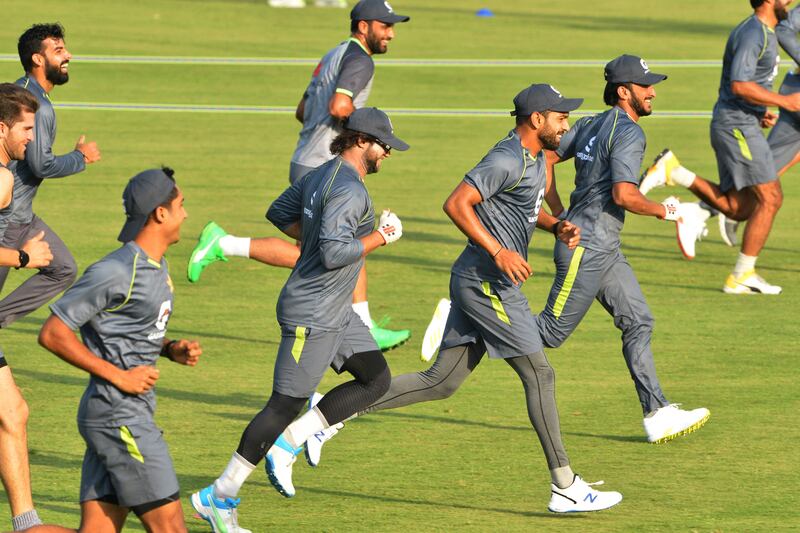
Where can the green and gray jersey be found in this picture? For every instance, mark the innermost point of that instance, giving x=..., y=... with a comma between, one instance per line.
x=347, y=69
x=121, y=305
x=512, y=184
x=751, y=54
x=335, y=211
x=40, y=163
x=608, y=148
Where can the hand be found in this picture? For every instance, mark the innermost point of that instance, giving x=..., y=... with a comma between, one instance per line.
x=671, y=207
x=791, y=102
x=186, y=352
x=38, y=251
x=390, y=227
x=769, y=119
x=568, y=233
x=513, y=265
x=136, y=380
x=90, y=151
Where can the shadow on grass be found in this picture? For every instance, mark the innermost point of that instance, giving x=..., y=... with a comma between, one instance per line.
x=618, y=438
x=68, y=461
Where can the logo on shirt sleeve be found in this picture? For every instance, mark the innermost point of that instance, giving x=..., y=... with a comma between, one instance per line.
x=586, y=153
x=161, y=322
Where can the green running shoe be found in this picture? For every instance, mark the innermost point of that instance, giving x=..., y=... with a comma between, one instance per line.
x=206, y=252
x=388, y=339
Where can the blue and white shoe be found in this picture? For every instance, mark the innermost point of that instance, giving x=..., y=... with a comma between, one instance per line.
x=580, y=497
x=280, y=459
x=315, y=442
x=221, y=514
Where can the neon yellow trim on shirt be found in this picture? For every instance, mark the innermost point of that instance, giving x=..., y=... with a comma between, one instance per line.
x=154, y=262
x=497, y=305
x=299, y=343
x=569, y=281
x=330, y=183
x=613, y=128
x=344, y=92
x=130, y=443
x=130, y=288
x=359, y=43
x=745, y=149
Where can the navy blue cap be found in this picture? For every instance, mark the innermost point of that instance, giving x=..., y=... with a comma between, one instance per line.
x=631, y=69
x=376, y=10
x=374, y=122
x=541, y=97
x=144, y=192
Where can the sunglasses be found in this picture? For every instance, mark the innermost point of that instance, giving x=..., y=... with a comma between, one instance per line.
x=386, y=147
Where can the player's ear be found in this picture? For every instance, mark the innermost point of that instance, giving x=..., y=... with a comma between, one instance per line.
x=38, y=59
x=363, y=27
x=537, y=120
x=623, y=92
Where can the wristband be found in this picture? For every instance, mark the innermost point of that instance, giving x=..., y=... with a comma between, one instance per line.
x=166, y=349
x=24, y=259
x=554, y=229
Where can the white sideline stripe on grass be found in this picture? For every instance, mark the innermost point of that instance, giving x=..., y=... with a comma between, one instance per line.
x=287, y=110
x=311, y=62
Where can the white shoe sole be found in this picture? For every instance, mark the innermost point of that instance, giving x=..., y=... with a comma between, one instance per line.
x=694, y=427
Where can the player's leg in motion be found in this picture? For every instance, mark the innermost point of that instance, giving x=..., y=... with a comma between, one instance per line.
x=621, y=295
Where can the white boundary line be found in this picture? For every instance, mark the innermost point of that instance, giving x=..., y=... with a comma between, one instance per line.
x=289, y=61
x=287, y=110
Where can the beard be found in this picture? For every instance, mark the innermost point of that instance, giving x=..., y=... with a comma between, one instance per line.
x=53, y=74
x=374, y=43
x=639, y=106
x=781, y=13
x=550, y=140
x=370, y=163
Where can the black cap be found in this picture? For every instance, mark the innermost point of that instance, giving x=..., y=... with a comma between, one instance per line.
x=631, y=69
x=144, y=192
x=374, y=122
x=376, y=10
x=541, y=97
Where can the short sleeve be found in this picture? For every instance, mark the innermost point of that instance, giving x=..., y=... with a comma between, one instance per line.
x=102, y=287
x=787, y=31
x=566, y=148
x=626, y=154
x=496, y=172
x=745, y=58
x=355, y=73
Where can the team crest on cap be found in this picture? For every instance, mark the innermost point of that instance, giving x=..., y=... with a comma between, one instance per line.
x=644, y=66
x=556, y=91
x=388, y=7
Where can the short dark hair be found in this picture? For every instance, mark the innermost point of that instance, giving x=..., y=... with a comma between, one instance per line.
x=30, y=42
x=610, y=94
x=347, y=139
x=13, y=101
x=756, y=3
x=172, y=194
x=523, y=119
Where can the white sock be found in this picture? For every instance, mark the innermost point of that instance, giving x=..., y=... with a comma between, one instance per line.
x=362, y=310
x=236, y=473
x=562, y=477
x=301, y=429
x=235, y=246
x=682, y=176
x=745, y=263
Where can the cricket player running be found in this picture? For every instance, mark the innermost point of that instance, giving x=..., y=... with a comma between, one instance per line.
x=121, y=305
x=784, y=138
x=497, y=206
x=330, y=211
x=608, y=149
x=749, y=188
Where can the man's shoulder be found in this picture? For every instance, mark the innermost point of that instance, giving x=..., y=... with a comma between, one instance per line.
x=750, y=30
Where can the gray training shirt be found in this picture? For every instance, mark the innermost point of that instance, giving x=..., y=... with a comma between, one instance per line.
x=39, y=163
x=751, y=54
x=335, y=211
x=121, y=305
x=347, y=69
x=5, y=213
x=512, y=183
x=608, y=148
x=787, y=31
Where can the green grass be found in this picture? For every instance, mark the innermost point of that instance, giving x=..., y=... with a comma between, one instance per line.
x=470, y=463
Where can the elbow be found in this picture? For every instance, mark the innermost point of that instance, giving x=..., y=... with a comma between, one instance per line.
x=737, y=88
x=45, y=337
x=449, y=207
x=620, y=199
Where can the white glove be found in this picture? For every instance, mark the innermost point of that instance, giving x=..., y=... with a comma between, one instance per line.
x=390, y=227
x=672, y=206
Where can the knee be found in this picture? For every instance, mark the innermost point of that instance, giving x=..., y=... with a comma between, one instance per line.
x=14, y=416
x=380, y=384
x=285, y=407
x=63, y=269
x=770, y=197
x=640, y=325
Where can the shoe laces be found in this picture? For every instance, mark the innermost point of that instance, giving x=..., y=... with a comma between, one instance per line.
x=596, y=483
x=384, y=321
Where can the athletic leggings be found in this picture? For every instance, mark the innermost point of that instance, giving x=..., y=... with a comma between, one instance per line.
x=451, y=368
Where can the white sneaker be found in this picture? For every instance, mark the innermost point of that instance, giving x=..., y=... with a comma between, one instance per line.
x=581, y=497
x=749, y=283
x=727, y=230
x=670, y=421
x=691, y=227
x=435, y=331
x=287, y=3
x=221, y=514
x=315, y=442
x=280, y=459
x=659, y=172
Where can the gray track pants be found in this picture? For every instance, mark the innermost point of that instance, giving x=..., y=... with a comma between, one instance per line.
x=585, y=275
x=42, y=286
x=451, y=368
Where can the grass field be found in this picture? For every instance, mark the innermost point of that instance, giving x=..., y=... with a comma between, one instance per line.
x=470, y=463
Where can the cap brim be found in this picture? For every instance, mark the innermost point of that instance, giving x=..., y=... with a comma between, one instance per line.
x=391, y=18
x=132, y=228
x=567, y=104
x=651, y=78
x=395, y=143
